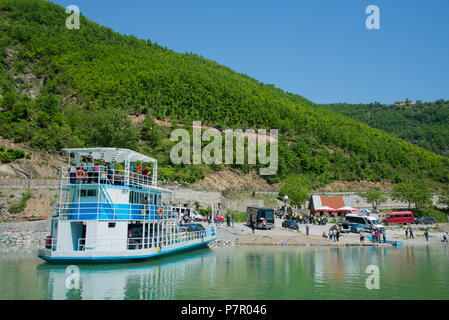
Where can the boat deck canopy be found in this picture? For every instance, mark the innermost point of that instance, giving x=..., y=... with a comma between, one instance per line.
x=115, y=155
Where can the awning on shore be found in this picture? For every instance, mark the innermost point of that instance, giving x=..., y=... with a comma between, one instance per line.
x=325, y=208
x=346, y=208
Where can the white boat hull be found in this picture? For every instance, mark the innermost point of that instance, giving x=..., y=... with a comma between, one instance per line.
x=123, y=255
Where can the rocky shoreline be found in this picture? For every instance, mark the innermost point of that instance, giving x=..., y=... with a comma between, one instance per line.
x=29, y=232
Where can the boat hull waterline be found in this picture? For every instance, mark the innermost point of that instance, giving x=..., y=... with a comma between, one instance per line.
x=114, y=256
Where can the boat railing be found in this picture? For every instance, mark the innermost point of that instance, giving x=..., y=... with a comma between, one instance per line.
x=73, y=175
x=111, y=211
x=139, y=243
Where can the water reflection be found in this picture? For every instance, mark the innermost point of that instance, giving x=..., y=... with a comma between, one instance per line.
x=147, y=280
x=244, y=272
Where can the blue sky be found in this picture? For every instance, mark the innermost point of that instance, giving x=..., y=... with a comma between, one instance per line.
x=320, y=49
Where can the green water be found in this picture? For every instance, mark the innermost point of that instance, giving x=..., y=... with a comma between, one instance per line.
x=246, y=272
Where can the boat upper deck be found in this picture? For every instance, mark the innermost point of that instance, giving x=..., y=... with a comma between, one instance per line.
x=88, y=189
x=112, y=166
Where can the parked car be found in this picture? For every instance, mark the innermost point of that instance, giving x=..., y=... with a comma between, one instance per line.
x=290, y=224
x=347, y=227
x=425, y=220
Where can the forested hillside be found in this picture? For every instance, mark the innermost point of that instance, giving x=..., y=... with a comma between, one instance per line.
x=425, y=124
x=76, y=88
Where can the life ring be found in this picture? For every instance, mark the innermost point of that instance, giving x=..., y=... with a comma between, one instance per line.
x=82, y=172
x=159, y=212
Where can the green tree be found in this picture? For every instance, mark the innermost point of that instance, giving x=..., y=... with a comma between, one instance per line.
x=149, y=132
x=113, y=128
x=417, y=193
x=297, y=190
x=374, y=196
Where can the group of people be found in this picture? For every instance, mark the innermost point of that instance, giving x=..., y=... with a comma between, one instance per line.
x=89, y=173
x=334, y=234
x=309, y=219
x=86, y=172
x=230, y=219
x=409, y=233
x=377, y=236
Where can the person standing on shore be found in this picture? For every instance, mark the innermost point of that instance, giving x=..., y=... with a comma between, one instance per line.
x=411, y=233
x=362, y=238
x=233, y=221
x=307, y=229
x=252, y=225
x=334, y=233
x=384, y=235
x=406, y=233
x=445, y=237
x=426, y=234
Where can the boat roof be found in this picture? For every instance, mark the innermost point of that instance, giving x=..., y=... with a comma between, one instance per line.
x=116, y=155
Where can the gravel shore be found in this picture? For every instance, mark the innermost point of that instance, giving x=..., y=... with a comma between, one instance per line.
x=28, y=232
x=242, y=234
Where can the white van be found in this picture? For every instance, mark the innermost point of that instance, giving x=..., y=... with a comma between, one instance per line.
x=191, y=213
x=365, y=221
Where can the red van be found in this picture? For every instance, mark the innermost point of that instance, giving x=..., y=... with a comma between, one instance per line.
x=400, y=217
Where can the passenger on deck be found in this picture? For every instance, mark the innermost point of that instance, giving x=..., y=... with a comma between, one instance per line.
x=110, y=173
x=96, y=173
x=113, y=176
x=72, y=174
x=84, y=167
x=103, y=175
x=90, y=173
x=145, y=175
x=117, y=181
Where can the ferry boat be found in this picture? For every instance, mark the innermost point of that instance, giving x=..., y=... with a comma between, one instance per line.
x=110, y=209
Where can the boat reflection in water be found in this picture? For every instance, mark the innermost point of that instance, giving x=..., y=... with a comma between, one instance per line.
x=144, y=280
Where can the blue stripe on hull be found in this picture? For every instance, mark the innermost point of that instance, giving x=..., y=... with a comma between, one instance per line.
x=124, y=258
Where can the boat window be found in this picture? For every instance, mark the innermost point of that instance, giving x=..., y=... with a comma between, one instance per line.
x=111, y=225
x=83, y=193
x=138, y=197
x=91, y=193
